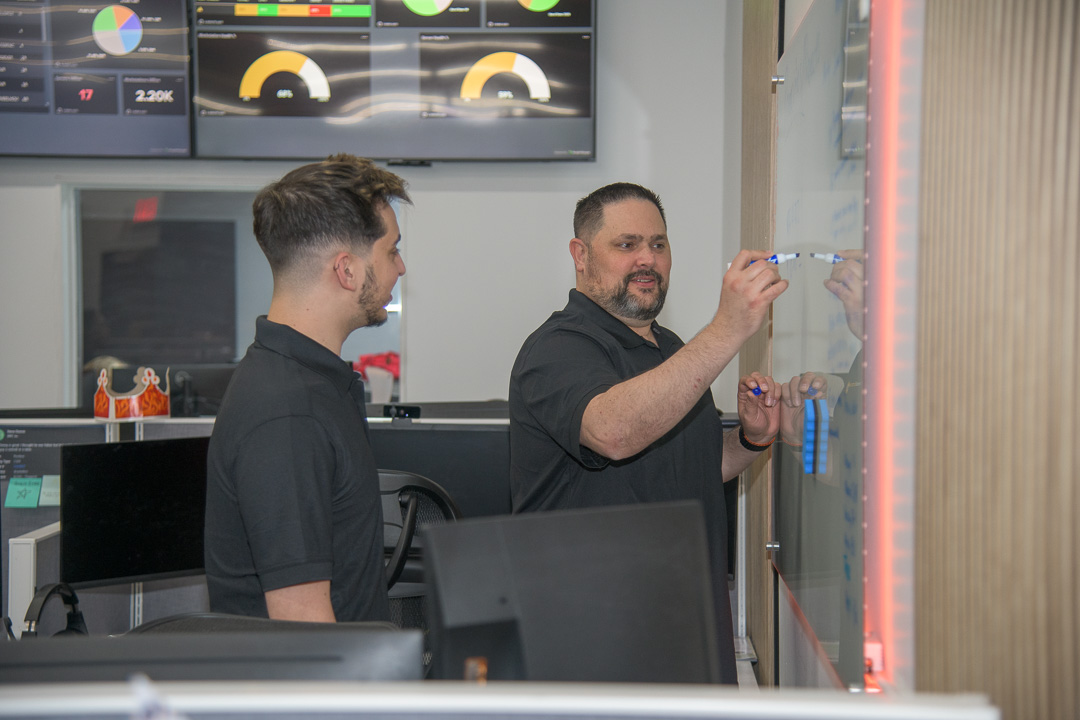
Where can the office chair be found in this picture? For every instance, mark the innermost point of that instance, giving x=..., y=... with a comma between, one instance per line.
x=410, y=503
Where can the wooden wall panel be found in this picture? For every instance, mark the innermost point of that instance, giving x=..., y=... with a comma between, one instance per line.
x=760, y=26
x=997, y=501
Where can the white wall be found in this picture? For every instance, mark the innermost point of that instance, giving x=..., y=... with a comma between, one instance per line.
x=485, y=243
x=35, y=280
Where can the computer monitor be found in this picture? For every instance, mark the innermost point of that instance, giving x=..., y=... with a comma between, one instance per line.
x=618, y=594
x=349, y=651
x=197, y=390
x=470, y=460
x=132, y=511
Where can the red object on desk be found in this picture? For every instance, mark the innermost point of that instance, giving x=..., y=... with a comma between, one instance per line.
x=389, y=361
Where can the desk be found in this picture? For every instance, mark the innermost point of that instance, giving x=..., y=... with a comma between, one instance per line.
x=452, y=701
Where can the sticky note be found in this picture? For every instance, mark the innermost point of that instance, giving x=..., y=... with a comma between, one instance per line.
x=23, y=492
x=50, y=491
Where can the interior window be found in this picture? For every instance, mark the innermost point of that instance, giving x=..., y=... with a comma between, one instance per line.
x=175, y=280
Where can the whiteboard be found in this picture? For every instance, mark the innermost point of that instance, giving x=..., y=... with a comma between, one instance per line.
x=820, y=191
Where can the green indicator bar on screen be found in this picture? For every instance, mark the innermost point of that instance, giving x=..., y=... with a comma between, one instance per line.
x=361, y=11
x=266, y=10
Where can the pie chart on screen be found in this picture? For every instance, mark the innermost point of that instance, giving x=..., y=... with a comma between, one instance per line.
x=538, y=5
x=117, y=30
x=428, y=7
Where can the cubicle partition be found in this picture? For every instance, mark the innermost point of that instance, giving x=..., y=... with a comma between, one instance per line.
x=468, y=456
x=465, y=447
x=30, y=482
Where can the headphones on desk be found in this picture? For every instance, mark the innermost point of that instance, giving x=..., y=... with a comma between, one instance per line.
x=76, y=625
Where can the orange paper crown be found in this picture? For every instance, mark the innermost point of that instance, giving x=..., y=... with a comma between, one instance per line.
x=145, y=400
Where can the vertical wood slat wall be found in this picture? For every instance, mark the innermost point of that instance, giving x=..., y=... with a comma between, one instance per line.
x=760, y=25
x=997, y=606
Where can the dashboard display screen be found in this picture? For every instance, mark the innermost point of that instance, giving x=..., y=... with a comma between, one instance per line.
x=94, y=78
x=395, y=79
x=406, y=80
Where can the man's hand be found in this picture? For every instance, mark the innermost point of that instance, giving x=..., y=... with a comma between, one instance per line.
x=792, y=405
x=759, y=412
x=759, y=415
x=846, y=283
x=750, y=286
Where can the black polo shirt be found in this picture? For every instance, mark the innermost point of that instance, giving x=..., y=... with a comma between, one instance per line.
x=578, y=353
x=292, y=486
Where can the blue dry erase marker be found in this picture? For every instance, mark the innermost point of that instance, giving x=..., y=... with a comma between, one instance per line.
x=833, y=258
x=775, y=259
x=757, y=391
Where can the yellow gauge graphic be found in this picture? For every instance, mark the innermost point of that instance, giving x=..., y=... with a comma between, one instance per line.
x=285, y=61
x=505, y=62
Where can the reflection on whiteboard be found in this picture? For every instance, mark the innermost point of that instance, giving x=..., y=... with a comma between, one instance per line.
x=818, y=329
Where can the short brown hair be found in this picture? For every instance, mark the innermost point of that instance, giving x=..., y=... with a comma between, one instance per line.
x=589, y=213
x=324, y=205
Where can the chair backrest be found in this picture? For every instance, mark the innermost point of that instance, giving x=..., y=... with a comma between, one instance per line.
x=411, y=503
x=440, y=507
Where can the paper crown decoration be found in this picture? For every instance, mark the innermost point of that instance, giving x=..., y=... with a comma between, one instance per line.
x=145, y=400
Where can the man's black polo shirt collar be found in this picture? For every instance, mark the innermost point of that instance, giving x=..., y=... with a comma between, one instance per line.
x=291, y=343
x=582, y=304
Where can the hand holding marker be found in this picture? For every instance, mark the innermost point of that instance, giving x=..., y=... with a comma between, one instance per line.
x=832, y=258
x=775, y=259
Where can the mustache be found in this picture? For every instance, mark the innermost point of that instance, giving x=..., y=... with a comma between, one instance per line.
x=652, y=274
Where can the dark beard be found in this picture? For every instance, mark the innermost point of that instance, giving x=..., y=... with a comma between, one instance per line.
x=369, y=304
x=622, y=304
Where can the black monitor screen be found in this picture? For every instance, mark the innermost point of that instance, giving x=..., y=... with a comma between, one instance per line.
x=470, y=461
x=412, y=80
x=618, y=594
x=94, y=78
x=197, y=390
x=132, y=510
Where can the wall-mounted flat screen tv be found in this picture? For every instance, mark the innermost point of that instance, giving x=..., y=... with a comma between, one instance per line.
x=410, y=80
x=103, y=78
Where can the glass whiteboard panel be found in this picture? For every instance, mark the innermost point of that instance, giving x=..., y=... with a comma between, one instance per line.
x=818, y=327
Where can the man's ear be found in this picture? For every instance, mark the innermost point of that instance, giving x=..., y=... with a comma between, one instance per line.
x=349, y=270
x=580, y=252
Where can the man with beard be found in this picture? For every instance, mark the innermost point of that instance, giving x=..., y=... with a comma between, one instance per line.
x=609, y=408
x=294, y=526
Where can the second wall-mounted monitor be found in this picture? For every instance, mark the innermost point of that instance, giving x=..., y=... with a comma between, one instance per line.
x=411, y=80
